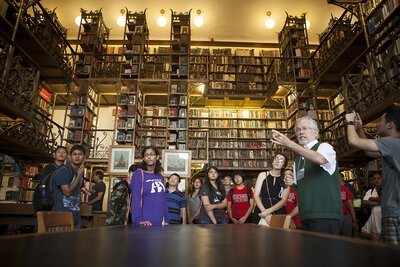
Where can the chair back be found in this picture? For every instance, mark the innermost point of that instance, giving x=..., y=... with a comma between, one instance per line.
x=280, y=221
x=55, y=221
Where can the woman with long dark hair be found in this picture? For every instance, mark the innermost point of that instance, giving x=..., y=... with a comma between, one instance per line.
x=194, y=201
x=213, y=198
x=149, y=202
x=270, y=193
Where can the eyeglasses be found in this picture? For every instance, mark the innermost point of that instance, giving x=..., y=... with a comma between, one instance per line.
x=279, y=159
x=298, y=130
x=149, y=155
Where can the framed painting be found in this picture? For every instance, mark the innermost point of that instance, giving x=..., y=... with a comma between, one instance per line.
x=121, y=158
x=177, y=161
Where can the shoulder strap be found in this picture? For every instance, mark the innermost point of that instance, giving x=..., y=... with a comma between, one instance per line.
x=269, y=195
x=231, y=193
x=53, y=167
x=248, y=193
x=141, y=192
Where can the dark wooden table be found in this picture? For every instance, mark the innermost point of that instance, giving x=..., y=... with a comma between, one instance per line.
x=193, y=245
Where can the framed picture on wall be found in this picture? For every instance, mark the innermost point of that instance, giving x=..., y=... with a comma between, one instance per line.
x=177, y=161
x=121, y=158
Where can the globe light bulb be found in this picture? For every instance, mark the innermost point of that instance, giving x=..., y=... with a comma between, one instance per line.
x=161, y=21
x=198, y=21
x=269, y=23
x=78, y=20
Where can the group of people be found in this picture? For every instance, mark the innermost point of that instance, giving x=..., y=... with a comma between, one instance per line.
x=68, y=184
x=310, y=193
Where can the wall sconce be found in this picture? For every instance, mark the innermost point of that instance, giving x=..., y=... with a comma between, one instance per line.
x=161, y=20
x=78, y=20
x=269, y=22
x=198, y=21
x=308, y=24
x=121, y=20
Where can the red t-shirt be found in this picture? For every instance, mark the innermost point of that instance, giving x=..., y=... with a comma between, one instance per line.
x=292, y=203
x=346, y=195
x=240, y=201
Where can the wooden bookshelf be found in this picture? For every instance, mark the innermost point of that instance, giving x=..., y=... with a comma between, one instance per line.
x=91, y=51
x=294, y=49
x=127, y=113
x=45, y=100
x=180, y=44
x=82, y=116
x=136, y=38
x=178, y=115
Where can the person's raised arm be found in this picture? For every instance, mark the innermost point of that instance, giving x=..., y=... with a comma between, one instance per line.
x=311, y=155
x=68, y=189
x=367, y=145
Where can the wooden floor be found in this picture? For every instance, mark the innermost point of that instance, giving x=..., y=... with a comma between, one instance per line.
x=193, y=245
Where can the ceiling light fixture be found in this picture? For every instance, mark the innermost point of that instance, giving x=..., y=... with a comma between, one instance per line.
x=198, y=21
x=161, y=20
x=121, y=20
x=269, y=22
x=78, y=20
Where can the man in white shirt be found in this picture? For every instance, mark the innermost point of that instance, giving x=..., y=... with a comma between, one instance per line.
x=317, y=178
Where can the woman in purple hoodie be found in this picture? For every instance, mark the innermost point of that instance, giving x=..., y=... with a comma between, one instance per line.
x=149, y=202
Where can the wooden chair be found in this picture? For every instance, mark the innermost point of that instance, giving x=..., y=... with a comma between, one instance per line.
x=280, y=221
x=55, y=221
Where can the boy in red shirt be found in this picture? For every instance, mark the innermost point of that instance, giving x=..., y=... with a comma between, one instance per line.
x=350, y=220
x=240, y=201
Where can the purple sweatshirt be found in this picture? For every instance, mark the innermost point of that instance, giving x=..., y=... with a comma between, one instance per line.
x=154, y=201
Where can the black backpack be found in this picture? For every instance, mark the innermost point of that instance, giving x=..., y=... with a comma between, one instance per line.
x=248, y=193
x=44, y=195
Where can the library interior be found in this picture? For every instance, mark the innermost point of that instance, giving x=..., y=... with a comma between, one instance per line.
x=204, y=82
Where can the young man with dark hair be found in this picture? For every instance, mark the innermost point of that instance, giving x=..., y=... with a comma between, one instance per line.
x=388, y=148
x=59, y=155
x=96, y=194
x=176, y=201
x=67, y=182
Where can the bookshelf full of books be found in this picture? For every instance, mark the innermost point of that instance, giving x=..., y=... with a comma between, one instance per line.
x=375, y=72
x=45, y=100
x=180, y=45
x=198, y=65
x=198, y=125
x=10, y=179
x=81, y=117
x=295, y=65
x=128, y=113
x=383, y=26
x=153, y=131
x=178, y=115
x=28, y=183
x=238, y=71
x=299, y=106
x=222, y=72
x=238, y=137
x=91, y=49
x=136, y=38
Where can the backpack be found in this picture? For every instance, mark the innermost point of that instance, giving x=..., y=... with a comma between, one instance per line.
x=44, y=196
x=248, y=194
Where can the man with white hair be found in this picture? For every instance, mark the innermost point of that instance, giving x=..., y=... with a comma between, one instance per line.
x=317, y=178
